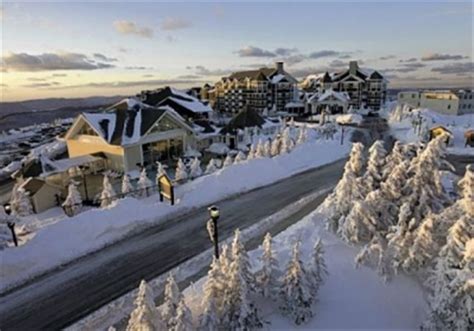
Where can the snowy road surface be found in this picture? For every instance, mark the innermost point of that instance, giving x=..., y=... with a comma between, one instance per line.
x=64, y=295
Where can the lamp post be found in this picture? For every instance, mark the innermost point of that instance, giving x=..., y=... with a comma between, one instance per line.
x=212, y=228
x=10, y=223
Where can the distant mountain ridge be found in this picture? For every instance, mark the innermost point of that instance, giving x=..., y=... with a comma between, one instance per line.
x=14, y=115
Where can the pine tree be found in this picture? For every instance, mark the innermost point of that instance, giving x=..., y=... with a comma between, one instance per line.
x=424, y=248
x=228, y=161
x=466, y=186
x=183, y=320
x=127, y=186
x=240, y=157
x=211, y=167
x=260, y=151
x=172, y=298
x=267, y=146
x=160, y=171
x=145, y=316
x=212, y=295
x=239, y=312
x=295, y=291
x=144, y=183
x=267, y=277
x=108, y=193
x=318, y=266
x=21, y=203
x=285, y=146
x=375, y=165
x=458, y=236
x=396, y=156
x=195, y=170
x=357, y=159
x=340, y=202
x=275, y=147
x=73, y=202
x=252, y=152
x=301, y=136
x=181, y=174
x=225, y=259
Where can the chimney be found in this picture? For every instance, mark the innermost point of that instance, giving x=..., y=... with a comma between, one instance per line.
x=353, y=67
x=279, y=67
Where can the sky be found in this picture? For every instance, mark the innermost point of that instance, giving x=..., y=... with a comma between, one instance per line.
x=76, y=49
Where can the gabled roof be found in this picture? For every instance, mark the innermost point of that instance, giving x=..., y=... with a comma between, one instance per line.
x=263, y=74
x=127, y=121
x=376, y=75
x=186, y=105
x=341, y=96
x=247, y=118
x=326, y=78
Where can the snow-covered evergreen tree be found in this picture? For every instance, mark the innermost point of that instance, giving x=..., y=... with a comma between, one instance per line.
x=357, y=159
x=396, y=156
x=108, y=193
x=260, y=150
x=346, y=193
x=225, y=259
x=160, y=171
x=267, y=277
x=458, y=236
x=424, y=247
x=145, y=316
x=275, y=147
x=375, y=165
x=267, y=146
x=295, y=293
x=144, y=183
x=228, y=161
x=466, y=186
x=212, y=297
x=183, y=320
x=252, y=152
x=301, y=136
x=319, y=269
x=285, y=146
x=240, y=157
x=21, y=203
x=239, y=311
x=171, y=301
x=73, y=202
x=195, y=169
x=181, y=174
x=211, y=167
x=127, y=186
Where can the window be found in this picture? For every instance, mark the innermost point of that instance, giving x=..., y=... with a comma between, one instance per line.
x=449, y=106
x=413, y=96
x=87, y=130
x=165, y=124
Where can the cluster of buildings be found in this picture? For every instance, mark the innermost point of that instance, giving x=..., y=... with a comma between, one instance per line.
x=449, y=102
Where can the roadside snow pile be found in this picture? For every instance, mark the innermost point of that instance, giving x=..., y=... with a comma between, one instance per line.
x=349, y=119
x=413, y=125
x=93, y=229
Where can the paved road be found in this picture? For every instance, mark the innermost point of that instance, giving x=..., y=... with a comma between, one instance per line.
x=64, y=295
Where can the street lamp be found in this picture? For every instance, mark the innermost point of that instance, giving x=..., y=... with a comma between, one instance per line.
x=212, y=228
x=11, y=224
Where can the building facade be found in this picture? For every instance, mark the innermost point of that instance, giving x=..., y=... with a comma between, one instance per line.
x=365, y=89
x=262, y=90
x=452, y=102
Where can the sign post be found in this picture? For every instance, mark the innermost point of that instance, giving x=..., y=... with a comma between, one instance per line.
x=166, y=188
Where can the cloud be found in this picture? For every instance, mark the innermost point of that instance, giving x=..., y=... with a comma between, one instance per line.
x=203, y=71
x=345, y=56
x=3, y=85
x=189, y=77
x=460, y=69
x=413, y=59
x=125, y=84
x=305, y=71
x=285, y=51
x=174, y=23
x=36, y=79
x=252, y=51
x=130, y=28
x=139, y=68
x=123, y=50
x=102, y=57
x=387, y=57
x=42, y=85
x=51, y=61
x=323, y=53
x=294, y=59
x=420, y=79
x=442, y=57
x=148, y=76
x=59, y=75
x=406, y=67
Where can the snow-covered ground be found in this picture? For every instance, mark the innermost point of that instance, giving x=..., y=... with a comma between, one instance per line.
x=405, y=131
x=350, y=298
x=68, y=238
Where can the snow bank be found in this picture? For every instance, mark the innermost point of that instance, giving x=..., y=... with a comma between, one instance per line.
x=349, y=119
x=89, y=231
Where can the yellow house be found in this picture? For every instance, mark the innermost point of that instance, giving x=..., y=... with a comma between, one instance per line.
x=439, y=131
x=131, y=134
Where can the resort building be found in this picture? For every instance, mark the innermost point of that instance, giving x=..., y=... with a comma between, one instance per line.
x=449, y=102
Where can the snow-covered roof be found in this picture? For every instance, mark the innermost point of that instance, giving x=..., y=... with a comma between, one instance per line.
x=62, y=165
x=194, y=105
x=218, y=148
x=294, y=104
x=341, y=96
x=278, y=78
